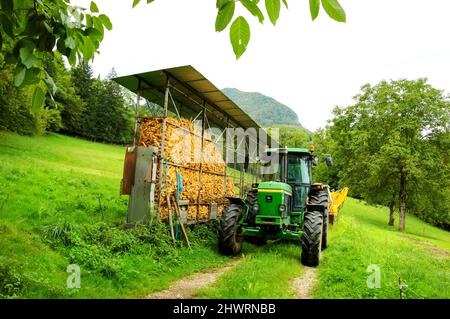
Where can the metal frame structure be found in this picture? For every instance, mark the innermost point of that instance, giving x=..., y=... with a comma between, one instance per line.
x=187, y=93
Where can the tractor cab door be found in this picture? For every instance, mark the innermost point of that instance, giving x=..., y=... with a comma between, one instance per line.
x=299, y=178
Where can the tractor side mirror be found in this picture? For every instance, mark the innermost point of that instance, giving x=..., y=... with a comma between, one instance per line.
x=329, y=161
x=315, y=161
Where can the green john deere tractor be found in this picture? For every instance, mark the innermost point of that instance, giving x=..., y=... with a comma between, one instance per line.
x=284, y=205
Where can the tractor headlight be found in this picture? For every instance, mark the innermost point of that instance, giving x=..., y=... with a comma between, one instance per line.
x=282, y=208
x=256, y=207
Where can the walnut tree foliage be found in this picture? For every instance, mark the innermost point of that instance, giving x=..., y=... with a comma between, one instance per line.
x=30, y=29
x=240, y=28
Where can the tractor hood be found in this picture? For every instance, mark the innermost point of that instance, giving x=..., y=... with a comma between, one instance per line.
x=271, y=197
x=275, y=187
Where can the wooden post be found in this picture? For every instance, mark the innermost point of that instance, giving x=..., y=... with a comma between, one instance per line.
x=169, y=212
x=226, y=160
x=201, y=161
x=180, y=221
x=163, y=136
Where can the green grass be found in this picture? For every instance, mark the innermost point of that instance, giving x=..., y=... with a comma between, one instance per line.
x=60, y=204
x=266, y=272
x=361, y=237
x=49, y=181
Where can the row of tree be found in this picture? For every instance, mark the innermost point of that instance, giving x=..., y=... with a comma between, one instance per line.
x=82, y=105
x=392, y=147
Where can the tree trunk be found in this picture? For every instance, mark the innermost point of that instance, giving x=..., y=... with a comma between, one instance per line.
x=391, y=213
x=402, y=197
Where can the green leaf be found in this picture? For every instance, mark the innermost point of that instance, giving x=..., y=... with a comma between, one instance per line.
x=334, y=10
x=93, y=7
x=149, y=1
x=314, y=8
x=94, y=34
x=225, y=15
x=221, y=3
x=23, y=4
x=19, y=75
x=48, y=27
x=31, y=76
x=72, y=58
x=50, y=83
x=89, y=48
x=38, y=99
x=1, y=41
x=106, y=22
x=136, y=2
x=7, y=5
x=273, y=10
x=61, y=46
x=70, y=43
x=253, y=9
x=88, y=21
x=286, y=4
x=27, y=56
x=7, y=24
x=98, y=25
x=239, y=36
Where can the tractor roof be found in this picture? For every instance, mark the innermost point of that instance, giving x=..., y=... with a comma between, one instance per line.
x=290, y=150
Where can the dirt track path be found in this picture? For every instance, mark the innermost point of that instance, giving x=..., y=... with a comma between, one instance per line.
x=186, y=287
x=304, y=284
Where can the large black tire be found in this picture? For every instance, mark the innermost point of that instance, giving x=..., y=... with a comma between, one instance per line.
x=320, y=197
x=312, y=238
x=230, y=231
x=251, y=200
x=315, y=229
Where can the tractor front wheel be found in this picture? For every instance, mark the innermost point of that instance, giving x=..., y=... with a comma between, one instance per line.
x=230, y=231
x=312, y=238
x=251, y=200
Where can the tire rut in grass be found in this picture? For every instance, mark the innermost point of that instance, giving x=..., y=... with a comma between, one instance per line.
x=187, y=287
x=304, y=285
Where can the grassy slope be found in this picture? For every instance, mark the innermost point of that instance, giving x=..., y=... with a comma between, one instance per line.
x=45, y=180
x=361, y=237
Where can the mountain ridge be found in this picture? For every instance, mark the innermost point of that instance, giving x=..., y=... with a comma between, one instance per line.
x=264, y=109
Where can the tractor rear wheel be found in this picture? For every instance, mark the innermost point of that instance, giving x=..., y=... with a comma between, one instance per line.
x=230, y=231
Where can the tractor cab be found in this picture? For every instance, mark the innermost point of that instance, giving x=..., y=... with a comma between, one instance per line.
x=294, y=169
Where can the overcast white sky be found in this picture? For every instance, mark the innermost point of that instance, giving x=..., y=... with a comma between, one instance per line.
x=309, y=66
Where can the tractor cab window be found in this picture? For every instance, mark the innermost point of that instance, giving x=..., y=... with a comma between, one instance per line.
x=271, y=171
x=298, y=169
x=274, y=175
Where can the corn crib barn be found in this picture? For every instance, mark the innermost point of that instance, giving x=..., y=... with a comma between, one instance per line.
x=180, y=162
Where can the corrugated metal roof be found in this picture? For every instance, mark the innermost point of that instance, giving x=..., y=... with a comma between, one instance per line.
x=189, y=85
